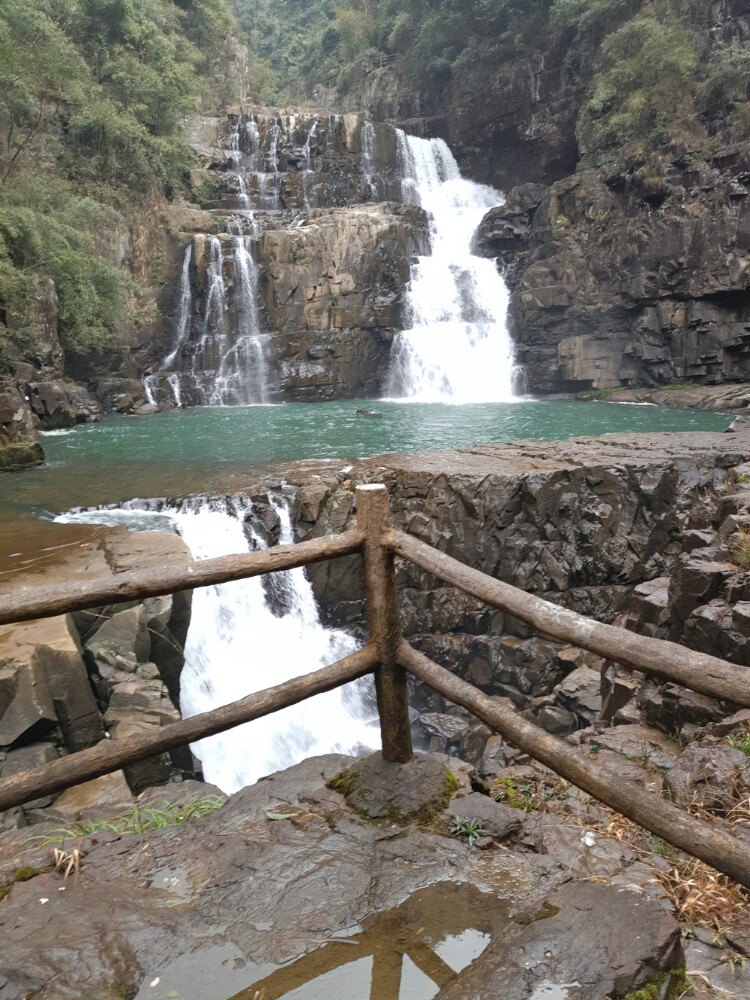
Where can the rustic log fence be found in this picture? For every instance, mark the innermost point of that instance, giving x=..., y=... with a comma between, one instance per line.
x=392, y=660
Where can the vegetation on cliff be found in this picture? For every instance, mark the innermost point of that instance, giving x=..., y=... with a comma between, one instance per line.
x=93, y=94
x=649, y=67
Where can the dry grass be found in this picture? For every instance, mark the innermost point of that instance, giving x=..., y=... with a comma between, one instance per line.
x=741, y=548
x=701, y=896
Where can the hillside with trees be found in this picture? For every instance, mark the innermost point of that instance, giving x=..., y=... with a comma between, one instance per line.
x=93, y=98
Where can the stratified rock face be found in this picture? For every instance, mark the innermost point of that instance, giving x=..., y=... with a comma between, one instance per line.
x=292, y=280
x=591, y=524
x=333, y=289
x=272, y=159
x=19, y=444
x=615, y=285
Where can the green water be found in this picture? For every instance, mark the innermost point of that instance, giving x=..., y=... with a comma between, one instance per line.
x=223, y=450
x=187, y=451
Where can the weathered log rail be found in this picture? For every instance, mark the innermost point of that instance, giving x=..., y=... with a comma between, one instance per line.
x=391, y=659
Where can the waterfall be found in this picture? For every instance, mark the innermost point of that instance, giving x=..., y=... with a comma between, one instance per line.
x=457, y=348
x=308, y=173
x=254, y=634
x=368, y=155
x=181, y=333
x=230, y=364
x=244, y=368
x=251, y=635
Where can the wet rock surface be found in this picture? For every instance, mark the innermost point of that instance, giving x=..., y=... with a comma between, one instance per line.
x=70, y=681
x=19, y=443
x=284, y=867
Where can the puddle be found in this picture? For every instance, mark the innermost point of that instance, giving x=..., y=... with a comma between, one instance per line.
x=408, y=953
x=554, y=991
x=174, y=880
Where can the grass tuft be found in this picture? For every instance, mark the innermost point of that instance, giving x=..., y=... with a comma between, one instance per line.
x=135, y=821
x=469, y=828
x=741, y=548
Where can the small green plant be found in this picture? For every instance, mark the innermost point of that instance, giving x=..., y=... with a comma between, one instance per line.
x=135, y=821
x=744, y=479
x=529, y=796
x=595, y=748
x=469, y=828
x=741, y=741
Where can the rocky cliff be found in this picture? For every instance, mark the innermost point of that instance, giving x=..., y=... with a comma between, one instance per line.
x=303, y=250
x=627, y=257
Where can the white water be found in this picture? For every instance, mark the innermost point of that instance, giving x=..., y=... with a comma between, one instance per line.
x=181, y=333
x=457, y=348
x=247, y=636
x=229, y=365
x=308, y=171
x=368, y=156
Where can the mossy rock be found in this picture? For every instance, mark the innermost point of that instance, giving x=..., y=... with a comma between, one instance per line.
x=415, y=792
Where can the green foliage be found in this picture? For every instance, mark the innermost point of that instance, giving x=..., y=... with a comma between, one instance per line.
x=741, y=741
x=645, y=81
x=93, y=96
x=135, y=820
x=469, y=828
x=727, y=78
x=46, y=230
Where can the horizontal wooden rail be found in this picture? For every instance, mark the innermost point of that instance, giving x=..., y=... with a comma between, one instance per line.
x=111, y=755
x=656, y=657
x=31, y=603
x=707, y=841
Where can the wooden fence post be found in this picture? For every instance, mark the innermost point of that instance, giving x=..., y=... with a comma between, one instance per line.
x=374, y=520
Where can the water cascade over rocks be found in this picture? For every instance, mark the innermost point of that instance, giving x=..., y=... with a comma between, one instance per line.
x=457, y=348
x=254, y=634
x=301, y=287
x=228, y=363
x=250, y=635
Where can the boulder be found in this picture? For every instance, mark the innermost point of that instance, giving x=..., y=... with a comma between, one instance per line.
x=31, y=713
x=91, y=796
x=19, y=442
x=599, y=940
x=711, y=776
x=122, y=642
x=580, y=693
x=497, y=821
x=47, y=660
x=396, y=792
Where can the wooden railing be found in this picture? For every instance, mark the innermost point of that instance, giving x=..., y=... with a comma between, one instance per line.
x=392, y=659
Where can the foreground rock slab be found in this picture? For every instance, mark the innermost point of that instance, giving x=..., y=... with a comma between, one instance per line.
x=283, y=873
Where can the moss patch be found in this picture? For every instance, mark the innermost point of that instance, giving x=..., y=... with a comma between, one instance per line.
x=26, y=873
x=451, y=784
x=676, y=982
x=545, y=911
x=345, y=782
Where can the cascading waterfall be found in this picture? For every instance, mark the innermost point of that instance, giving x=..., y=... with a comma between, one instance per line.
x=308, y=173
x=244, y=369
x=254, y=634
x=251, y=635
x=181, y=333
x=229, y=365
x=368, y=156
x=457, y=348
